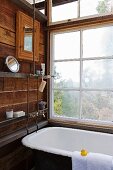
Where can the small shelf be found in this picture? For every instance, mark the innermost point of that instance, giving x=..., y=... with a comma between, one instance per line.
x=15, y=75
x=22, y=75
x=12, y=119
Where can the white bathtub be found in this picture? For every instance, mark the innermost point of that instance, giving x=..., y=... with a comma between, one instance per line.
x=64, y=141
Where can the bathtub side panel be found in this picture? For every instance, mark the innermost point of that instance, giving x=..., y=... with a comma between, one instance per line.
x=48, y=161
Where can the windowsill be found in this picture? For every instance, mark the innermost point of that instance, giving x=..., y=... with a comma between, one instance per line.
x=80, y=21
x=81, y=18
x=106, y=127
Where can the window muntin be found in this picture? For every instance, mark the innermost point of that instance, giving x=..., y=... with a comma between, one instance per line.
x=99, y=69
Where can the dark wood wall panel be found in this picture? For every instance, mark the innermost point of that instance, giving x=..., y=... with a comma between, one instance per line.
x=9, y=84
x=25, y=67
x=7, y=37
x=33, y=84
x=14, y=91
x=12, y=127
x=6, y=99
x=32, y=106
x=18, y=157
x=20, y=84
x=1, y=84
x=7, y=19
x=6, y=50
x=32, y=96
x=20, y=97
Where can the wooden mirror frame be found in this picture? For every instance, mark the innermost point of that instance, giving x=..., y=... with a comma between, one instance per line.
x=23, y=20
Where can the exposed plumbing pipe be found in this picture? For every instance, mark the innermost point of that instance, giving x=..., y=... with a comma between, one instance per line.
x=33, y=37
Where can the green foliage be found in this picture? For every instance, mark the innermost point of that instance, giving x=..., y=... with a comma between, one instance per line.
x=103, y=6
x=58, y=102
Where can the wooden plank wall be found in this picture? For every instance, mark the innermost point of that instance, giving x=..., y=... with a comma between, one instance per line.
x=13, y=91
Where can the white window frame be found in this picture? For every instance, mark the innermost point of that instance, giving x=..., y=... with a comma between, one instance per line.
x=80, y=89
x=73, y=19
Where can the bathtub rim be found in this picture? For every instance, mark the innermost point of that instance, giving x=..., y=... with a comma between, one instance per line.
x=52, y=150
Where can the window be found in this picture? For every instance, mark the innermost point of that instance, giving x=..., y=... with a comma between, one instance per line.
x=82, y=63
x=63, y=10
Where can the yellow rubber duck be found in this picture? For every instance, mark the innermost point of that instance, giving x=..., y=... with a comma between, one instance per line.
x=84, y=152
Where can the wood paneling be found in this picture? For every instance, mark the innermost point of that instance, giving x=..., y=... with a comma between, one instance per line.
x=6, y=99
x=41, y=49
x=13, y=92
x=33, y=84
x=7, y=19
x=9, y=84
x=33, y=96
x=20, y=84
x=12, y=127
x=6, y=50
x=42, y=34
x=20, y=97
x=7, y=37
x=1, y=84
x=25, y=67
x=18, y=157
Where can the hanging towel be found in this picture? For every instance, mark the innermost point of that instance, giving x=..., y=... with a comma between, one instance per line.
x=93, y=161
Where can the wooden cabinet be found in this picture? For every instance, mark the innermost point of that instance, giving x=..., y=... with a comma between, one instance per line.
x=24, y=37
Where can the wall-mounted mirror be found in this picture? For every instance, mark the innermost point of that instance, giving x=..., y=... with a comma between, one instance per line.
x=12, y=64
x=28, y=39
x=24, y=37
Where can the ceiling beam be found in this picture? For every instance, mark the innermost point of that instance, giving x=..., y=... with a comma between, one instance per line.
x=41, y=5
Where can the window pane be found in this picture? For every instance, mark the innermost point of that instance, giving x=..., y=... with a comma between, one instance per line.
x=36, y=1
x=64, y=12
x=97, y=105
x=67, y=74
x=98, y=42
x=92, y=7
x=98, y=74
x=43, y=11
x=67, y=45
x=28, y=42
x=66, y=103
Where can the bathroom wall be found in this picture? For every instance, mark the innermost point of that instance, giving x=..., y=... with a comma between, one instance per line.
x=13, y=91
